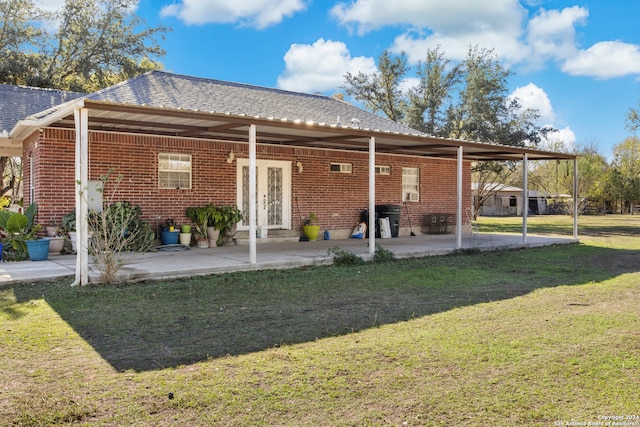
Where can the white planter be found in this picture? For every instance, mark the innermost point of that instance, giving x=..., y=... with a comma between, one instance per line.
x=72, y=237
x=56, y=244
x=185, y=239
x=212, y=235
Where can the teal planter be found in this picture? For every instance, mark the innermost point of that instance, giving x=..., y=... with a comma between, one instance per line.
x=38, y=249
x=170, y=237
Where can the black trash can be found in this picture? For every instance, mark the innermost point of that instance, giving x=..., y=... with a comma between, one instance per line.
x=364, y=217
x=393, y=213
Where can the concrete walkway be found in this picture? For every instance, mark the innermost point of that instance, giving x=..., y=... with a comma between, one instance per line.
x=270, y=255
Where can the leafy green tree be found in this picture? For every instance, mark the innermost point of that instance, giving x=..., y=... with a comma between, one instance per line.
x=633, y=120
x=625, y=178
x=97, y=43
x=429, y=101
x=468, y=100
x=20, y=39
x=381, y=91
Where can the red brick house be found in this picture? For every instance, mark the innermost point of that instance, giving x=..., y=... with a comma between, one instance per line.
x=183, y=141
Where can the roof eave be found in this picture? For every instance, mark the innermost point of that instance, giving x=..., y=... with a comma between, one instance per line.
x=25, y=127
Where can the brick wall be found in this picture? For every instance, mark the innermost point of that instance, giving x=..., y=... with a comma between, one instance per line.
x=336, y=198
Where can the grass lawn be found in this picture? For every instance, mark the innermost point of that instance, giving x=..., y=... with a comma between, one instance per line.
x=545, y=336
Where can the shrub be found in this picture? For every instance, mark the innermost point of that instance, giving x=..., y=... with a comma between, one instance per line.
x=342, y=257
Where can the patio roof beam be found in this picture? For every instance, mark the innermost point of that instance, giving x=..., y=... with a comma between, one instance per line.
x=217, y=125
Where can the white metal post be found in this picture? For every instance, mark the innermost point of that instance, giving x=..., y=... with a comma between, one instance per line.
x=459, y=200
x=252, y=194
x=576, y=198
x=372, y=195
x=81, y=118
x=525, y=196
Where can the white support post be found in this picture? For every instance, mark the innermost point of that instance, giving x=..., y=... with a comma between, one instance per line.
x=459, y=199
x=372, y=196
x=576, y=198
x=252, y=194
x=81, y=118
x=525, y=196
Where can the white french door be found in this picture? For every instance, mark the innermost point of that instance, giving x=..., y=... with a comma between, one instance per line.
x=273, y=193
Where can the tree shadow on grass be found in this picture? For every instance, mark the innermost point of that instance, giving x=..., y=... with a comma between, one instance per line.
x=154, y=325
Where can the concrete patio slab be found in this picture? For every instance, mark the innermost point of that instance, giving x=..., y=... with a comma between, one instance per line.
x=279, y=255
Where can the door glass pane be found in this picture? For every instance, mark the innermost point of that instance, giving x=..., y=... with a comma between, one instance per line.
x=274, y=196
x=245, y=195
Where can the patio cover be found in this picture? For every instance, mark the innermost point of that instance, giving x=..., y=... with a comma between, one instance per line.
x=348, y=129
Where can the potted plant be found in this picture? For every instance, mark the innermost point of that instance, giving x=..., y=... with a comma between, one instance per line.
x=56, y=241
x=185, y=235
x=310, y=228
x=227, y=221
x=52, y=230
x=168, y=234
x=22, y=233
x=200, y=217
x=69, y=226
x=214, y=217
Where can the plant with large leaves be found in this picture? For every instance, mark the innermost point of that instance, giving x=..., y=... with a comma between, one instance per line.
x=16, y=228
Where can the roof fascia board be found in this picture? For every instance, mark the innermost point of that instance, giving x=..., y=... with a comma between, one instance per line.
x=25, y=127
x=499, y=152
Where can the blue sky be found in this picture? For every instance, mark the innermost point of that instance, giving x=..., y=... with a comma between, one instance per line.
x=578, y=62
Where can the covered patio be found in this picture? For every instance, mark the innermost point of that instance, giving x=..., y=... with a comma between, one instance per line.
x=271, y=255
x=147, y=107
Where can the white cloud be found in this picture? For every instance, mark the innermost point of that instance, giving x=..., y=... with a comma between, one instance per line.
x=255, y=13
x=551, y=33
x=454, y=25
x=457, y=15
x=531, y=96
x=50, y=5
x=564, y=136
x=605, y=60
x=320, y=67
x=456, y=46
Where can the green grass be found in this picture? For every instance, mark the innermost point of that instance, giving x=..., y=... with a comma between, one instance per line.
x=528, y=337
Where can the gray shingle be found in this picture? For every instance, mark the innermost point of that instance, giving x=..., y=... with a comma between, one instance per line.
x=162, y=89
x=19, y=102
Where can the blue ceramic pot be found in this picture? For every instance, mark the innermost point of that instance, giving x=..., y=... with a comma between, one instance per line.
x=38, y=249
x=170, y=237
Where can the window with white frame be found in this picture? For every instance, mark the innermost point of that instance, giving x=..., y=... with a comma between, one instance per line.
x=174, y=171
x=341, y=167
x=410, y=184
x=383, y=170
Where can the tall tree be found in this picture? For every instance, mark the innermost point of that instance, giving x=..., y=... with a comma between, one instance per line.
x=381, y=91
x=467, y=100
x=633, y=120
x=625, y=178
x=97, y=43
x=20, y=40
x=429, y=101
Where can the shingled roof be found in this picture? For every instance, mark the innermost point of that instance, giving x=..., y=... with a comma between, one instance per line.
x=173, y=91
x=19, y=102
x=161, y=103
